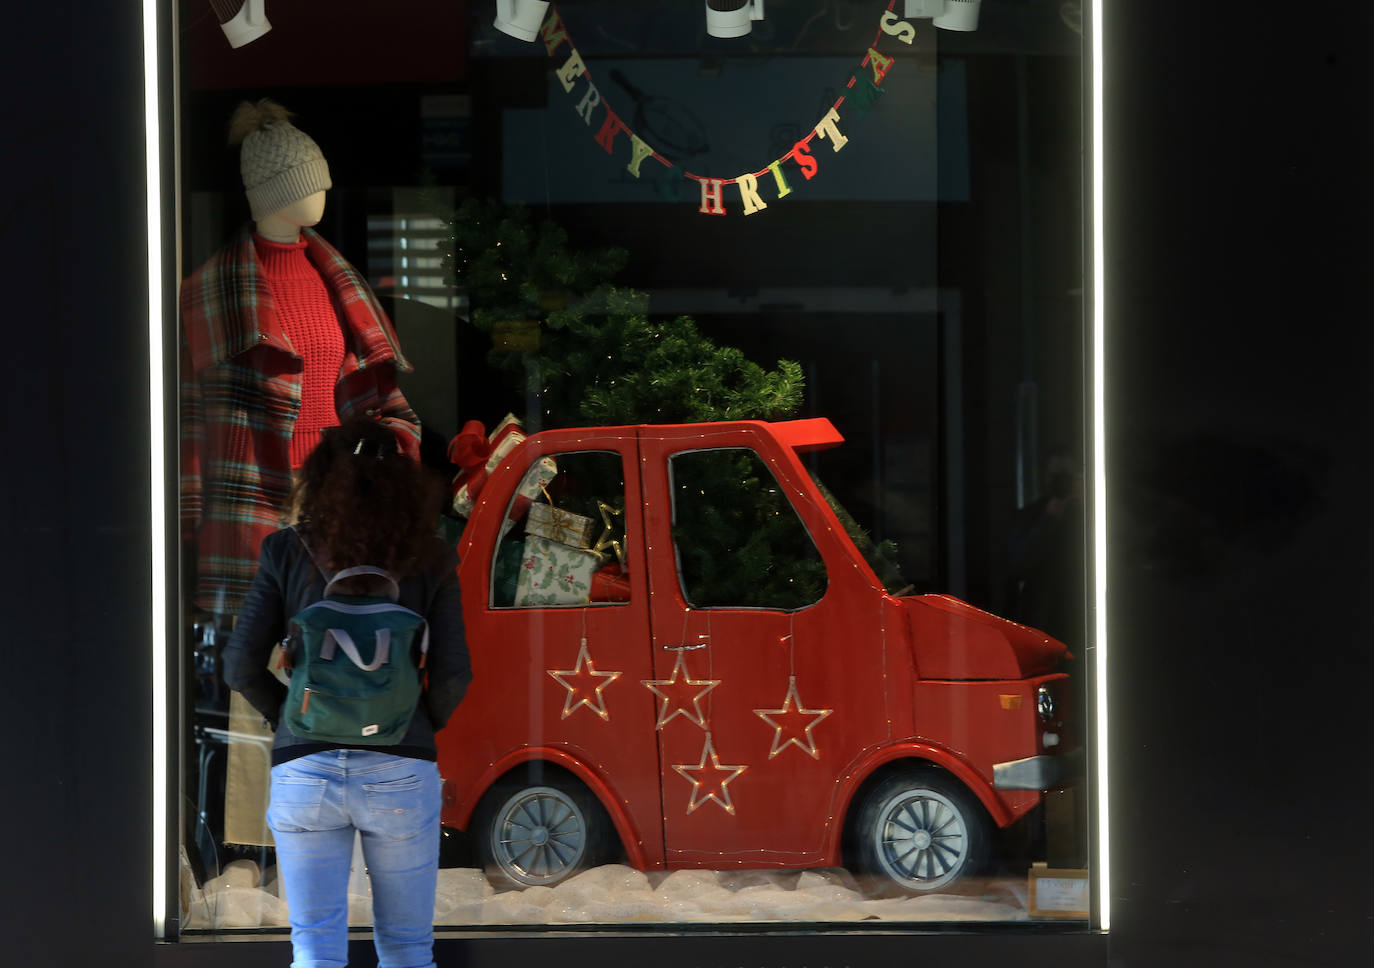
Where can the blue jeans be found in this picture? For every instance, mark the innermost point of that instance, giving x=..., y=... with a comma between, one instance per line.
x=317, y=803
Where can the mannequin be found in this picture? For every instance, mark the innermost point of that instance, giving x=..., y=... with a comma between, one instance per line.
x=281, y=338
x=285, y=224
x=242, y=388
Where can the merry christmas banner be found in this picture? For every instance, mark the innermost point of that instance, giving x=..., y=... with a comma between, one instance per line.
x=734, y=135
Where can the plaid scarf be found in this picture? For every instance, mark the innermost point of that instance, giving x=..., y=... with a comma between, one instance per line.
x=241, y=392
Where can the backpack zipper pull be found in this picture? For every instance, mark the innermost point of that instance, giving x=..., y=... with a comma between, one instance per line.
x=306, y=701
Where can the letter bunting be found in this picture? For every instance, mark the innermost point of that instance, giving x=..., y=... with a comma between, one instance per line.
x=746, y=191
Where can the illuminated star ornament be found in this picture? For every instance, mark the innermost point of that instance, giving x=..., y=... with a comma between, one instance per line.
x=710, y=782
x=679, y=691
x=605, y=542
x=792, y=724
x=584, y=685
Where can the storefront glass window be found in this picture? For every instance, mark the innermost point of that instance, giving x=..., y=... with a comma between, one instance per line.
x=630, y=285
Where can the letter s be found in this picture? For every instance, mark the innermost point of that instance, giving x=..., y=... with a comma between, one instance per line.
x=801, y=155
x=898, y=28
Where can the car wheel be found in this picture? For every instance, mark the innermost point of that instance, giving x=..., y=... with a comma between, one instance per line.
x=539, y=833
x=921, y=831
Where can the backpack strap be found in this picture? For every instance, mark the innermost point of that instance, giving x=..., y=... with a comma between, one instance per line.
x=366, y=570
x=324, y=572
x=329, y=579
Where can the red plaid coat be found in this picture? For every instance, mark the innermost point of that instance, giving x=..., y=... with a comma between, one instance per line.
x=241, y=392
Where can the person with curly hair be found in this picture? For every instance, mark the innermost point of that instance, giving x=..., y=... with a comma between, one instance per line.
x=362, y=502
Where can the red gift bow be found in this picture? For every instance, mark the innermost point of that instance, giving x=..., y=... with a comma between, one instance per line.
x=470, y=450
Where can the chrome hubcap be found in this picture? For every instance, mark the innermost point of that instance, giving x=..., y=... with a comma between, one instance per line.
x=540, y=836
x=922, y=840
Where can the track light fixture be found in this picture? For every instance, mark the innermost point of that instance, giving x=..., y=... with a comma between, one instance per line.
x=520, y=18
x=947, y=14
x=732, y=18
x=243, y=21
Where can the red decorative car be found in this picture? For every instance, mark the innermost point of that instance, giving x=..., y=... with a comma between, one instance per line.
x=704, y=671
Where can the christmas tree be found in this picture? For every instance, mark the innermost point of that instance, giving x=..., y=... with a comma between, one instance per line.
x=589, y=351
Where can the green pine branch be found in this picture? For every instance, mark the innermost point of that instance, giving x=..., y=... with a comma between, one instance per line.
x=592, y=348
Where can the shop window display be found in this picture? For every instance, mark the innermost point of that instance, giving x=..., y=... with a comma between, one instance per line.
x=686, y=277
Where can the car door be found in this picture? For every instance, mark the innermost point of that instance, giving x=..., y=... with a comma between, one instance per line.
x=767, y=681
x=559, y=646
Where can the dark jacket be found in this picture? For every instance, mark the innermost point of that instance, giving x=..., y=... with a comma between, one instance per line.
x=288, y=580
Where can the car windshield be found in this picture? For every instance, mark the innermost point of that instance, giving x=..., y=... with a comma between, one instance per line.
x=880, y=555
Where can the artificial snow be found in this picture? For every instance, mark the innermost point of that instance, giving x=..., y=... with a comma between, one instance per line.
x=241, y=897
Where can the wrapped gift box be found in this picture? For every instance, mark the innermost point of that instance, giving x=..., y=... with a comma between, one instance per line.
x=538, y=478
x=477, y=457
x=554, y=574
x=534, y=483
x=564, y=527
x=610, y=584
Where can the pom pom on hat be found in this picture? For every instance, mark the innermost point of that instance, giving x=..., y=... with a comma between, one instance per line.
x=280, y=163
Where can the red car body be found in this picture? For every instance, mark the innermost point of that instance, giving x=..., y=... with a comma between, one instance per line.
x=740, y=737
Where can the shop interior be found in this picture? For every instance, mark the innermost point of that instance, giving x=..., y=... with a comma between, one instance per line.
x=922, y=289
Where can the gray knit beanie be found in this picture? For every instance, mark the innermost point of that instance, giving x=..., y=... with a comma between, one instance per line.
x=280, y=163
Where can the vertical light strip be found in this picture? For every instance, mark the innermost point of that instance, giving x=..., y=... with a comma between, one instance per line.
x=1104, y=868
x=158, y=558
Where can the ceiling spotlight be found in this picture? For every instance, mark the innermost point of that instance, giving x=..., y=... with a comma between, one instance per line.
x=923, y=9
x=732, y=18
x=948, y=14
x=959, y=15
x=243, y=21
x=520, y=18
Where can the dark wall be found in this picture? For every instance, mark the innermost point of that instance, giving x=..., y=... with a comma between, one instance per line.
x=1238, y=279
x=1238, y=261
x=76, y=519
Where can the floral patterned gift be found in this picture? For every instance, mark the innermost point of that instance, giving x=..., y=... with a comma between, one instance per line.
x=554, y=574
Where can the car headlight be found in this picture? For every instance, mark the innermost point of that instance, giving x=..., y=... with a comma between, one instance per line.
x=1044, y=704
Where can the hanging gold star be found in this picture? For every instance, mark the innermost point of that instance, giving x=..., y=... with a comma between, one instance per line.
x=679, y=690
x=584, y=685
x=605, y=541
x=787, y=723
x=708, y=783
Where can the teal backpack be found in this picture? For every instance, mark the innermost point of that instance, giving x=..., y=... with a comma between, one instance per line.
x=353, y=679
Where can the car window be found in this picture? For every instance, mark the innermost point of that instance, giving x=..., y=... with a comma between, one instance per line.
x=739, y=542
x=563, y=540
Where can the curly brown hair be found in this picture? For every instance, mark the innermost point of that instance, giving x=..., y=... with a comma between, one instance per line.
x=364, y=502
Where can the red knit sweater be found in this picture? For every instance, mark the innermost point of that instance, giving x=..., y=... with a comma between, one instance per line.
x=311, y=323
